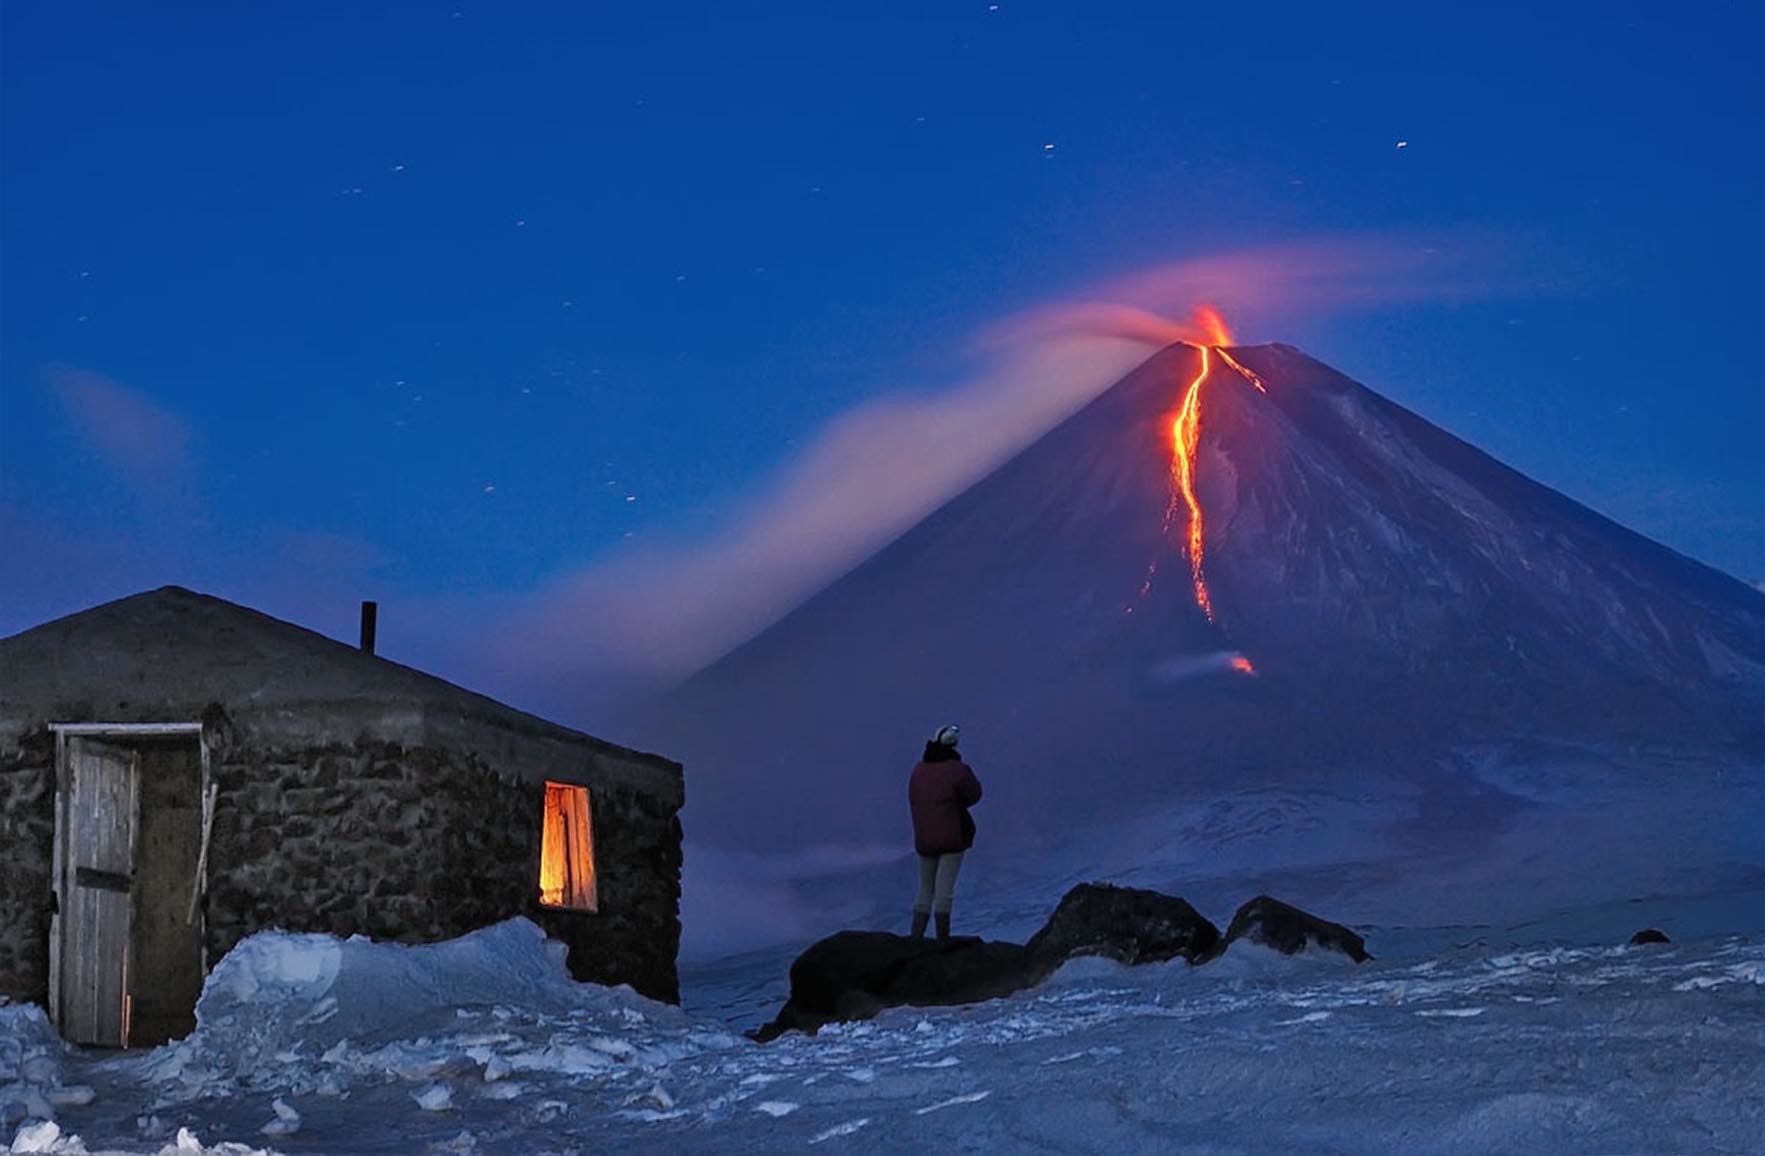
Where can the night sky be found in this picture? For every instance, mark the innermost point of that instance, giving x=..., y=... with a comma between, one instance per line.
x=452, y=305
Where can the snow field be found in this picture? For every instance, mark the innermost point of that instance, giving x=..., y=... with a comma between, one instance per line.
x=309, y=1044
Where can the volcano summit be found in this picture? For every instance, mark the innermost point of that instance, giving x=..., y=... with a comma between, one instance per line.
x=1236, y=568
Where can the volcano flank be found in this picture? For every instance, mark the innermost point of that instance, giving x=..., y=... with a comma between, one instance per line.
x=1329, y=590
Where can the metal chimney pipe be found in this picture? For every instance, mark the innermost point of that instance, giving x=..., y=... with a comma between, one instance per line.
x=370, y=614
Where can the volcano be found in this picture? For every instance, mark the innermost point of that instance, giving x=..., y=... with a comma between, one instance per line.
x=1235, y=569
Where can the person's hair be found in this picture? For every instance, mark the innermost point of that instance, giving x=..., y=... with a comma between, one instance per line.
x=936, y=752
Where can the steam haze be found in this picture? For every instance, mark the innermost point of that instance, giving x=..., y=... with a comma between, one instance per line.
x=653, y=614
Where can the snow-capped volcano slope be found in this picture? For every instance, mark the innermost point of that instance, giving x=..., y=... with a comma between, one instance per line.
x=1399, y=594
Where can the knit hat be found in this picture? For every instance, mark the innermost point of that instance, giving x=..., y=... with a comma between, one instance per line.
x=947, y=735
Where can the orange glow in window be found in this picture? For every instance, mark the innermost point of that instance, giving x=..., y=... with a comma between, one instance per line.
x=566, y=850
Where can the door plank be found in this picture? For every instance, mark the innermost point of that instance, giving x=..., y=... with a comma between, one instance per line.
x=101, y=859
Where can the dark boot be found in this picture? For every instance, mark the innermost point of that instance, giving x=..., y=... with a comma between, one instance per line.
x=919, y=919
x=943, y=925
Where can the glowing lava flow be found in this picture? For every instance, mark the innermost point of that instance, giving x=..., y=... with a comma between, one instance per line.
x=1242, y=372
x=1185, y=444
x=1186, y=439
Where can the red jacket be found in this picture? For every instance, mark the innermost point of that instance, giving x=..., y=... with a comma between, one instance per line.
x=940, y=794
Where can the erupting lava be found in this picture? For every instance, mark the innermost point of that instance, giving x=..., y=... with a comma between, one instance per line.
x=1211, y=326
x=1186, y=441
x=1242, y=372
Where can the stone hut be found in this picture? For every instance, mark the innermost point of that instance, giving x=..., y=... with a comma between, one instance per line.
x=178, y=772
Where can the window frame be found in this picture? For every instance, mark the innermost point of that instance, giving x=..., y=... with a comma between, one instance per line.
x=570, y=837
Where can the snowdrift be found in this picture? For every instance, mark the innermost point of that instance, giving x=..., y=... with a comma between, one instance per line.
x=482, y=1045
x=299, y=1015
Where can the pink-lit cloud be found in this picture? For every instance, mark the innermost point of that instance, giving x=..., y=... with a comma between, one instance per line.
x=146, y=444
x=1261, y=290
x=662, y=609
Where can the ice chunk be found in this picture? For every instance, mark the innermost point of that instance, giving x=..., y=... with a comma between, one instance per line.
x=776, y=1108
x=43, y=1136
x=434, y=1098
x=287, y=1121
x=845, y=1129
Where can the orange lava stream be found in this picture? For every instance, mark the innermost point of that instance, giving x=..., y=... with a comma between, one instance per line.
x=1186, y=439
x=1185, y=445
x=1242, y=372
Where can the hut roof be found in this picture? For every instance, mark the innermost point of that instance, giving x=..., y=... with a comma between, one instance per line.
x=169, y=653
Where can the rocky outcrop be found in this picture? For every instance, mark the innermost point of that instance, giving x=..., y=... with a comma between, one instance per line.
x=1127, y=924
x=1649, y=935
x=1288, y=930
x=856, y=974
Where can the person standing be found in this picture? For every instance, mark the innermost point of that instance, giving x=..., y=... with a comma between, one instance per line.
x=940, y=792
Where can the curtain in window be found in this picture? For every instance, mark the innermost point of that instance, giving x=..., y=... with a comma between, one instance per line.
x=566, y=855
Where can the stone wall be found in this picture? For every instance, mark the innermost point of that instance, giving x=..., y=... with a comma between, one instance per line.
x=396, y=842
x=417, y=844
x=27, y=845
x=637, y=871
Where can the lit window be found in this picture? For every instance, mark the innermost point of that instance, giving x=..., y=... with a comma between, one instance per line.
x=566, y=850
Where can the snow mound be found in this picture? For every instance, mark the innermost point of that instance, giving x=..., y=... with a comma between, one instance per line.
x=31, y=1073
x=286, y=1016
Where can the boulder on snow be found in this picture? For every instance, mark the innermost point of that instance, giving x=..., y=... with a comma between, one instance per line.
x=855, y=974
x=852, y=975
x=1289, y=930
x=1649, y=935
x=1126, y=924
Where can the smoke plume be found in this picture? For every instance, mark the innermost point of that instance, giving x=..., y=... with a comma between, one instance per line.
x=659, y=611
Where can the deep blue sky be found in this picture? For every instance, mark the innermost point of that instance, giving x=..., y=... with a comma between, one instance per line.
x=406, y=300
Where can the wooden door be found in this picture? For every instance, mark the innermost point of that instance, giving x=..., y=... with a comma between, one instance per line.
x=98, y=876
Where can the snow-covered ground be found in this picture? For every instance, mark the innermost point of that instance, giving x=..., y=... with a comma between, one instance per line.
x=1503, y=1013
x=1591, y=1049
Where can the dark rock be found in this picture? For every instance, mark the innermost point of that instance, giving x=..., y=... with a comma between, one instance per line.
x=1126, y=924
x=1289, y=930
x=855, y=974
x=1649, y=935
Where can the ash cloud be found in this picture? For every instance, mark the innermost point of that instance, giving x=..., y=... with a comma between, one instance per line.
x=659, y=612
x=653, y=614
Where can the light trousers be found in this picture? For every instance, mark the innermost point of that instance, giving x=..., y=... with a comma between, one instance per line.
x=937, y=882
